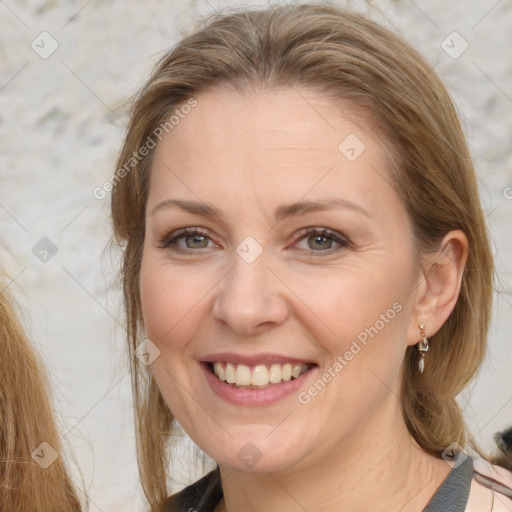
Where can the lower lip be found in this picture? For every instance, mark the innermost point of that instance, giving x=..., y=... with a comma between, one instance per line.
x=265, y=396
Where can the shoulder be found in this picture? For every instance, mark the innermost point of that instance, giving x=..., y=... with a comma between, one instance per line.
x=201, y=496
x=491, y=488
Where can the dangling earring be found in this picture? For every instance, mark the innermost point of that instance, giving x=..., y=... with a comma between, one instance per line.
x=422, y=347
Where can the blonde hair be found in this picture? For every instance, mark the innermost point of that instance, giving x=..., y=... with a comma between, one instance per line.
x=26, y=421
x=358, y=63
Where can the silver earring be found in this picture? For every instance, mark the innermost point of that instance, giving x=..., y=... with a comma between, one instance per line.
x=422, y=347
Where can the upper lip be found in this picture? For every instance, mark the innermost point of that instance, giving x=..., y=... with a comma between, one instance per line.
x=254, y=359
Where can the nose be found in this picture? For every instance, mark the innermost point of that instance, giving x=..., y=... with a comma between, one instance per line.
x=251, y=298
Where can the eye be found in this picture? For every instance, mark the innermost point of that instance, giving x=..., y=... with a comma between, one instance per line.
x=321, y=240
x=192, y=239
x=318, y=240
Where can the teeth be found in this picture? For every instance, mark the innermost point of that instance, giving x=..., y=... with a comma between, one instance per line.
x=296, y=369
x=287, y=371
x=275, y=373
x=259, y=375
x=230, y=373
x=221, y=373
x=242, y=375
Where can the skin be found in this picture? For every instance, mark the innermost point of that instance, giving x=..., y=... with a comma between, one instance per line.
x=247, y=154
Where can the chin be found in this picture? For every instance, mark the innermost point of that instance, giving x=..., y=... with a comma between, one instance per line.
x=265, y=464
x=259, y=453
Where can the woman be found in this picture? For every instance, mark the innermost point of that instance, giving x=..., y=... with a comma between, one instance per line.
x=33, y=475
x=306, y=260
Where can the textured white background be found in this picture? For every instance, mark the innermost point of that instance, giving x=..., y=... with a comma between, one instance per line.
x=61, y=124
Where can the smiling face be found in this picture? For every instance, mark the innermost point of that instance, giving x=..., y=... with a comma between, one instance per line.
x=240, y=266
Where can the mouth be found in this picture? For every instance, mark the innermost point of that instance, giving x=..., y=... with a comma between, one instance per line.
x=256, y=377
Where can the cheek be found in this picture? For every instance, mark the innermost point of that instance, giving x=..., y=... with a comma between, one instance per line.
x=360, y=311
x=170, y=303
x=368, y=318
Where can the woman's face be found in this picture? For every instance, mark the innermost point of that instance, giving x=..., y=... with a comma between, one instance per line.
x=271, y=283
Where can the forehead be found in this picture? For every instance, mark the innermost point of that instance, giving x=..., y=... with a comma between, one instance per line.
x=266, y=144
x=263, y=119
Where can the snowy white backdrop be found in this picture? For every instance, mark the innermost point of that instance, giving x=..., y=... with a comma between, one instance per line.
x=62, y=119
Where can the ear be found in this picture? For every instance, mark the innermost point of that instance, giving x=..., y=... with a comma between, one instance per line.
x=439, y=286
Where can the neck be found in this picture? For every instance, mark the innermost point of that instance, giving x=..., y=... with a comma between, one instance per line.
x=380, y=467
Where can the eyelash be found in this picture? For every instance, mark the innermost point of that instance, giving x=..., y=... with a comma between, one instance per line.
x=169, y=241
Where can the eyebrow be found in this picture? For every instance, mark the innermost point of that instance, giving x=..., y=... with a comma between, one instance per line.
x=281, y=213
